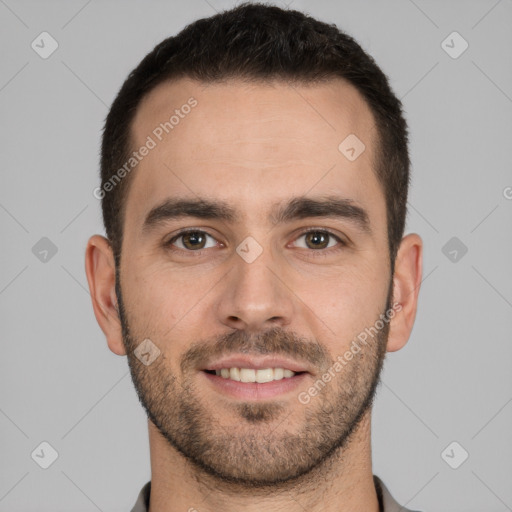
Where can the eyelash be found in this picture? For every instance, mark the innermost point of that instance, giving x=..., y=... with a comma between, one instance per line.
x=315, y=253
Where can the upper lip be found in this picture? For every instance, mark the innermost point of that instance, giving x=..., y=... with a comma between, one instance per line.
x=257, y=363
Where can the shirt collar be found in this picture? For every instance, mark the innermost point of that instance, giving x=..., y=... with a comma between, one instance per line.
x=386, y=500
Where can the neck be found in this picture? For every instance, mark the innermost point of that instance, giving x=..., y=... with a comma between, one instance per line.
x=342, y=483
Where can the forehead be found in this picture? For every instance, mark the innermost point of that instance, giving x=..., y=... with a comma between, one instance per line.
x=249, y=143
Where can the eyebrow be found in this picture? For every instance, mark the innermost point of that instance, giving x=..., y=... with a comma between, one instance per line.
x=333, y=207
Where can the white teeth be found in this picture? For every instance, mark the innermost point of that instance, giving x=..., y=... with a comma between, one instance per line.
x=251, y=375
x=265, y=375
x=278, y=373
x=247, y=375
x=234, y=373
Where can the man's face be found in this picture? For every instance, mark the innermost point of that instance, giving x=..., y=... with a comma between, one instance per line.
x=254, y=289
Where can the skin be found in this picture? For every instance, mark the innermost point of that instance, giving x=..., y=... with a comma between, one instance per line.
x=253, y=145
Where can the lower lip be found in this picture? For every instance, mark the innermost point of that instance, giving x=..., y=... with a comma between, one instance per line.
x=254, y=390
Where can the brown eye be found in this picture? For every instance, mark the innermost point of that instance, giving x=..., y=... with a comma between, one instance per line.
x=191, y=240
x=194, y=240
x=318, y=239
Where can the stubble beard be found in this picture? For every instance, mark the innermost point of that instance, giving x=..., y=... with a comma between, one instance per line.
x=253, y=445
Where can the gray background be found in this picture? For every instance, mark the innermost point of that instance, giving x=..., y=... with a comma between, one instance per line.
x=59, y=382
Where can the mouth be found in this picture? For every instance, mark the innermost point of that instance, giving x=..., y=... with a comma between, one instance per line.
x=254, y=375
x=252, y=378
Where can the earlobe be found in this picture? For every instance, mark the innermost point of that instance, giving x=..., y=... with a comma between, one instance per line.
x=100, y=270
x=406, y=286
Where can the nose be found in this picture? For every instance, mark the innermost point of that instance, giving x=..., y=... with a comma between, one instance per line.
x=256, y=296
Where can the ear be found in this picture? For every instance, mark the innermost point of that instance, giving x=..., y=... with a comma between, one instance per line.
x=406, y=286
x=100, y=270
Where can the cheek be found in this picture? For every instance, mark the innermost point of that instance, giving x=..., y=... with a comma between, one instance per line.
x=152, y=305
x=349, y=301
x=165, y=307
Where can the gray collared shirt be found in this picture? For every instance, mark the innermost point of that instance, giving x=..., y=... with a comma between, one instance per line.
x=386, y=501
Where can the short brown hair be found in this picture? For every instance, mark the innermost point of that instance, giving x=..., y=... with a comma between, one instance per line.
x=260, y=42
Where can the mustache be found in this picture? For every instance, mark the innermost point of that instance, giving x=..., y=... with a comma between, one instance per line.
x=275, y=341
